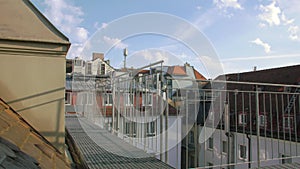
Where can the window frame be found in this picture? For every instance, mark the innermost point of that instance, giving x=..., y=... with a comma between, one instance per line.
x=150, y=130
x=264, y=117
x=128, y=99
x=102, y=68
x=68, y=98
x=210, y=143
x=148, y=98
x=89, y=68
x=130, y=126
x=89, y=98
x=224, y=146
x=108, y=99
x=243, y=152
x=242, y=119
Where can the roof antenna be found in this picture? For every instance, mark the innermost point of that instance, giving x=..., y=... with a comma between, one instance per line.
x=125, y=53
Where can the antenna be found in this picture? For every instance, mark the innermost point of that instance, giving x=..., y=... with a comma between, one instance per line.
x=125, y=53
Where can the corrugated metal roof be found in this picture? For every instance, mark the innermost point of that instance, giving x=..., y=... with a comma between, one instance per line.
x=106, y=150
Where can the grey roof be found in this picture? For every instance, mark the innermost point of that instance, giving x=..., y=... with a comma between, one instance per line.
x=283, y=166
x=20, y=20
x=106, y=150
x=12, y=157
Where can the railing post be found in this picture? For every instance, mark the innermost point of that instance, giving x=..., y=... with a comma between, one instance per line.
x=257, y=126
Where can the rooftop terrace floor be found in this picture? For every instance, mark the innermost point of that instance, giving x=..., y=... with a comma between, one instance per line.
x=98, y=148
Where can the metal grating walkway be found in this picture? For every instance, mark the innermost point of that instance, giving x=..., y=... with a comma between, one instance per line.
x=96, y=147
x=283, y=166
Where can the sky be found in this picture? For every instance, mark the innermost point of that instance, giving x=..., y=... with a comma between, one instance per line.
x=242, y=33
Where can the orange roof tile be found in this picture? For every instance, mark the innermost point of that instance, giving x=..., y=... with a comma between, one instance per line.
x=198, y=75
x=16, y=131
x=176, y=70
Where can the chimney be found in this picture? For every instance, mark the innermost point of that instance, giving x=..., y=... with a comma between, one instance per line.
x=254, y=68
x=98, y=55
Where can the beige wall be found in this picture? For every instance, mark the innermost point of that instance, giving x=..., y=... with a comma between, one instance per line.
x=32, y=82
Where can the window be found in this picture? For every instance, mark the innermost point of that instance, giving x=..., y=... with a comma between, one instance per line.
x=242, y=119
x=83, y=98
x=147, y=99
x=210, y=143
x=287, y=122
x=151, y=128
x=210, y=165
x=191, y=137
x=89, y=98
x=78, y=62
x=102, y=69
x=191, y=161
x=243, y=152
x=98, y=69
x=68, y=98
x=285, y=159
x=89, y=68
x=262, y=120
x=224, y=147
x=128, y=99
x=108, y=100
x=130, y=129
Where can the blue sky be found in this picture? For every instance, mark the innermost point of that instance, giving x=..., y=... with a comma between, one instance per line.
x=244, y=33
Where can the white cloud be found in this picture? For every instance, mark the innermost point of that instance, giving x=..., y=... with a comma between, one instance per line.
x=224, y=4
x=259, y=42
x=267, y=57
x=270, y=14
x=291, y=6
x=114, y=42
x=81, y=34
x=76, y=49
x=198, y=7
x=262, y=25
x=294, y=32
x=153, y=56
x=285, y=20
x=67, y=18
x=104, y=25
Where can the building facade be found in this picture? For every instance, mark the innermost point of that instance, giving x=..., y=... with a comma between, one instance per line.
x=258, y=125
x=32, y=68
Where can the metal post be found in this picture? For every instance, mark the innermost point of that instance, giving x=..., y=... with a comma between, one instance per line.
x=113, y=108
x=257, y=126
x=166, y=126
x=119, y=109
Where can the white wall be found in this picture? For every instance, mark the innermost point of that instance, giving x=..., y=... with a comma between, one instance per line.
x=270, y=150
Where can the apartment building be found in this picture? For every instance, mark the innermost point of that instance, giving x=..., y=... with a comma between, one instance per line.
x=259, y=124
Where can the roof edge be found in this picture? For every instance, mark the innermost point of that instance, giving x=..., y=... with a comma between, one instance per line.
x=41, y=16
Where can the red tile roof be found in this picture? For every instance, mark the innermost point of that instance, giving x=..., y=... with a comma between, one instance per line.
x=176, y=70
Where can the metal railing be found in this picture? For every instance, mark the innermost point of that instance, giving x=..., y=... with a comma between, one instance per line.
x=253, y=124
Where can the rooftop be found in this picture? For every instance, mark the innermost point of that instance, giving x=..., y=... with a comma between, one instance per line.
x=97, y=148
x=23, y=22
x=21, y=146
